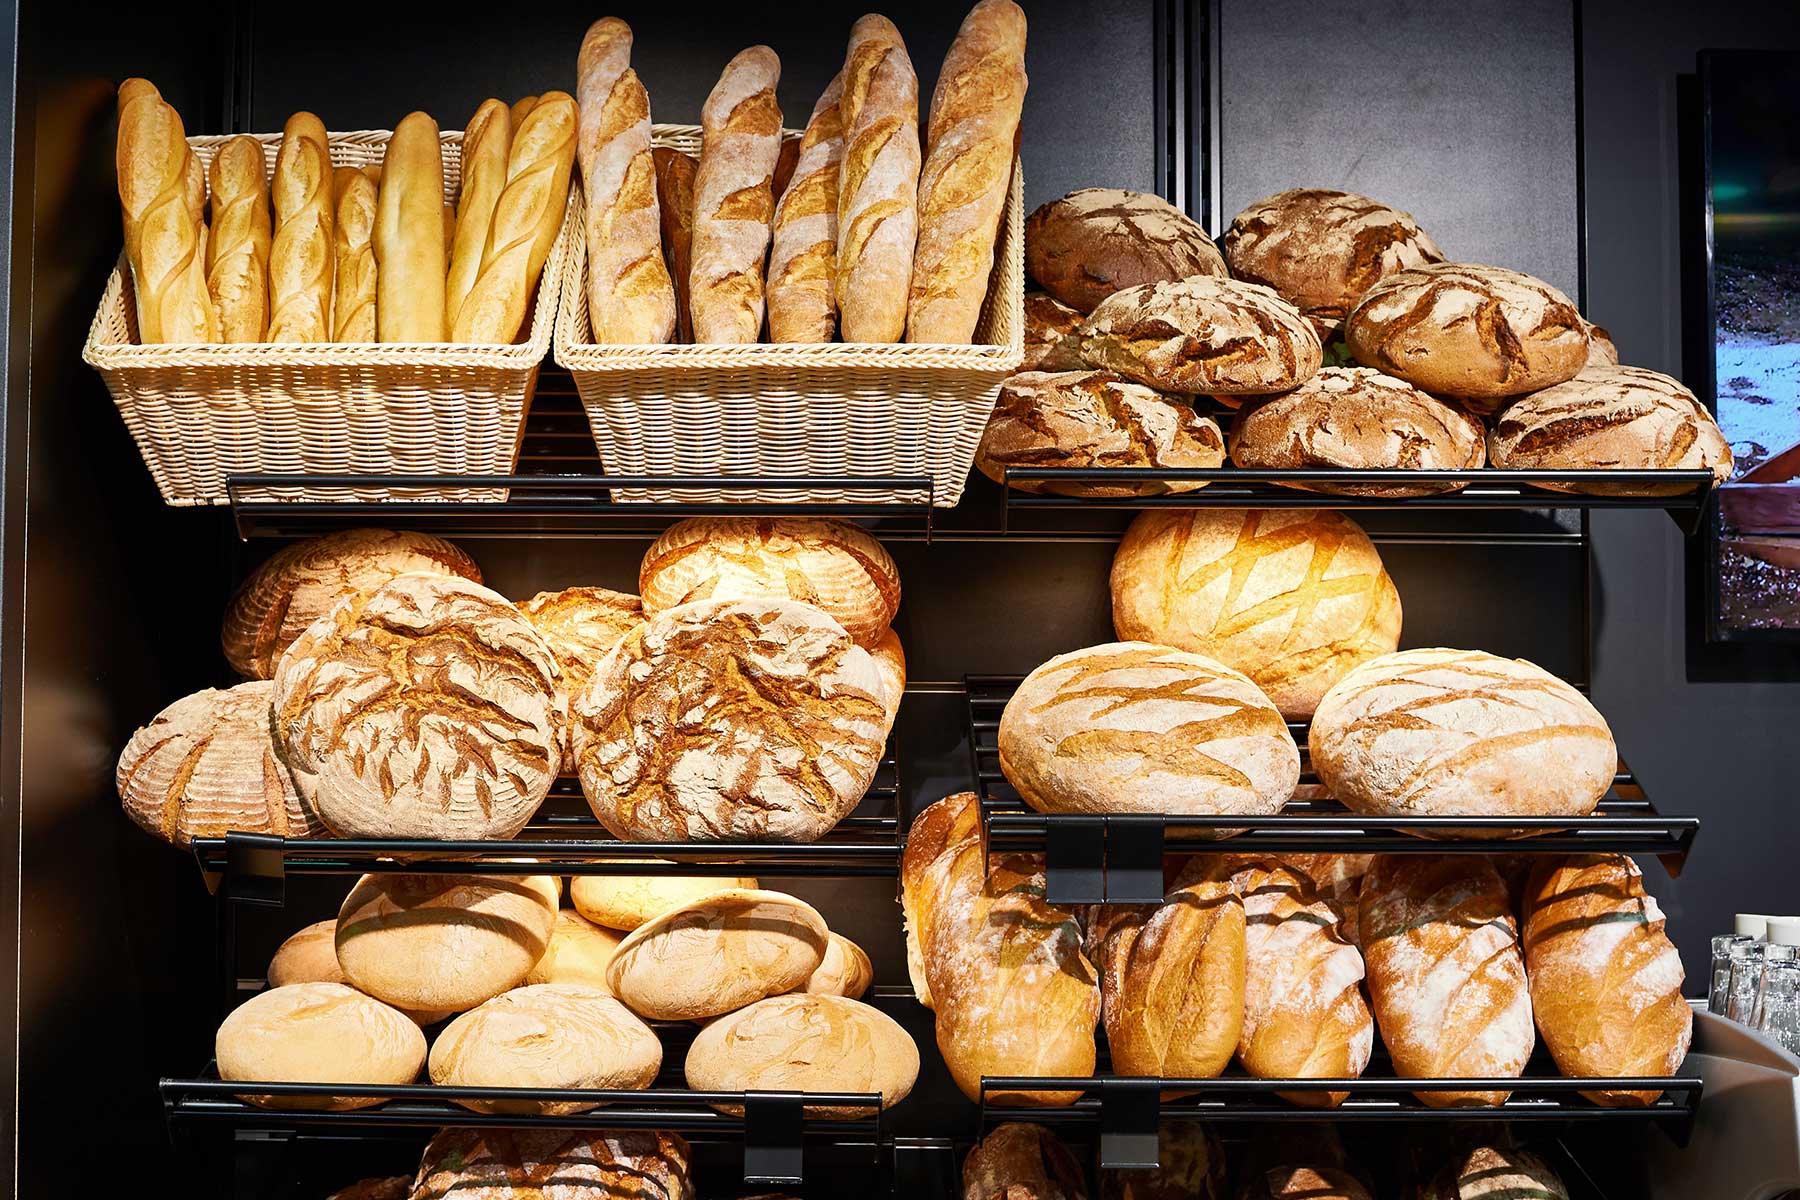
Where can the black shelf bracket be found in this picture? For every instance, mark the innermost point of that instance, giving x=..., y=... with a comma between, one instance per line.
x=1075, y=861
x=255, y=869
x=1130, y=1112
x=774, y=1124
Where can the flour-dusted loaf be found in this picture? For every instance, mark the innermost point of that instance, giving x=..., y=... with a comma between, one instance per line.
x=1623, y=418
x=1356, y=417
x=536, y=1164
x=486, y=145
x=1605, y=978
x=423, y=709
x=547, y=1035
x=626, y=901
x=1094, y=419
x=802, y=273
x=318, y=1033
x=675, y=211
x=1202, y=334
x=733, y=198
x=206, y=765
x=1337, y=878
x=890, y=664
x=1190, y=1166
x=165, y=238
x=717, y=954
x=834, y=565
x=237, y=246
x=579, y=951
x=1097, y=241
x=878, y=183
x=303, y=581
x=844, y=971
x=930, y=871
x=1602, y=350
x=731, y=719
x=301, y=259
x=1322, y=249
x=309, y=955
x=353, y=306
x=1496, y=1173
x=1294, y=598
x=1022, y=1161
x=1446, y=979
x=1462, y=329
x=806, y=1043
x=1303, y=1183
x=444, y=942
x=969, y=147
x=1051, y=343
x=1136, y=727
x=1436, y=732
x=580, y=625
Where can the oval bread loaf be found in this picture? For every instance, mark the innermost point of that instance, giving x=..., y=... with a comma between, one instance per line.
x=1022, y=1161
x=309, y=955
x=580, y=625
x=1097, y=241
x=806, y=1043
x=579, y=951
x=626, y=901
x=844, y=971
x=1202, y=334
x=512, y=1164
x=717, y=954
x=318, y=1033
x=1496, y=1173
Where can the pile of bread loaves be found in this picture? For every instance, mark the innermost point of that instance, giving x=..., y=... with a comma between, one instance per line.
x=1455, y=364
x=747, y=693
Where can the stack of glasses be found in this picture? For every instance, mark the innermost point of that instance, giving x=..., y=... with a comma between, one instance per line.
x=1756, y=977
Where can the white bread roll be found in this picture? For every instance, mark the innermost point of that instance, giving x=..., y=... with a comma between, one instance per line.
x=533, y=1164
x=579, y=952
x=806, y=1043
x=318, y=1033
x=844, y=971
x=627, y=901
x=717, y=954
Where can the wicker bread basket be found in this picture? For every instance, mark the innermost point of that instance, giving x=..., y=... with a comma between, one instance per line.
x=201, y=412
x=831, y=410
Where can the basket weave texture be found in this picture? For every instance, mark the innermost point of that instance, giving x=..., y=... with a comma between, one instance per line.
x=831, y=409
x=201, y=412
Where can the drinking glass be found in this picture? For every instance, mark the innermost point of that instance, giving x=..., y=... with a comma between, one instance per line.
x=1746, y=973
x=1773, y=956
x=1778, y=1004
x=1718, y=995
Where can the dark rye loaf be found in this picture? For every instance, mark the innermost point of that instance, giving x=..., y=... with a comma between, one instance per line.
x=1097, y=241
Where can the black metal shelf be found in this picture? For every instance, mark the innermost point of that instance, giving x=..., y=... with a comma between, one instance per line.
x=1119, y=859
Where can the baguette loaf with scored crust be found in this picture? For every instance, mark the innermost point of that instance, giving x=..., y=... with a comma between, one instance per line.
x=1202, y=334
x=675, y=209
x=1022, y=1161
x=409, y=235
x=162, y=190
x=237, y=247
x=580, y=625
x=878, y=215
x=486, y=145
x=803, y=253
x=1097, y=241
x=353, y=305
x=302, y=259
x=513, y=1164
x=734, y=199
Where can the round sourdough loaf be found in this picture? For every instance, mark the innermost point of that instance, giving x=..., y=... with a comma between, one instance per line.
x=318, y=1033
x=310, y=956
x=717, y=954
x=580, y=624
x=444, y=941
x=1048, y=326
x=1304, y=1183
x=1323, y=249
x=1094, y=419
x=1294, y=598
x=806, y=1043
x=1615, y=418
x=1462, y=329
x=1358, y=418
x=207, y=765
x=833, y=565
x=1496, y=1173
x=1134, y=727
x=844, y=971
x=553, y=1164
x=1097, y=241
x=627, y=901
x=423, y=709
x=1435, y=732
x=579, y=952
x=547, y=1035
x=1022, y=1159
x=731, y=719
x=1202, y=334
x=304, y=581
x=1191, y=1167
x=890, y=664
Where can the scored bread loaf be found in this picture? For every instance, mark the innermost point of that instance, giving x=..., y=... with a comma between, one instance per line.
x=890, y=664
x=803, y=248
x=1097, y=241
x=1337, y=878
x=309, y=955
x=521, y=108
x=626, y=901
x=1446, y=979
x=1496, y=1173
x=1602, y=350
x=717, y=954
x=1050, y=341
x=973, y=127
x=237, y=246
x=1202, y=334
x=513, y=1164
x=1022, y=1161
x=1190, y=1166
x=878, y=215
x=409, y=235
x=302, y=258
x=806, y=1043
x=630, y=297
x=1605, y=978
x=486, y=145
x=353, y=303
x=675, y=209
x=578, y=952
x=318, y=1033
x=927, y=873
x=734, y=199
x=580, y=625
x=1293, y=598
x=844, y=971
x=165, y=238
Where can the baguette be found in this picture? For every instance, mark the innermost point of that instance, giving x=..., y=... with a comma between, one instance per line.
x=675, y=207
x=968, y=164
x=237, y=251
x=485, y=144
x=409, y=235
x=354, y=298
x=803, y=257
x=521, y=108
x=164, y=238
x=1605, y=979
x=787, y=158
x=878, y=216
x=630, y=297
x=526, y=220
x=301, y=261
x=734, y=200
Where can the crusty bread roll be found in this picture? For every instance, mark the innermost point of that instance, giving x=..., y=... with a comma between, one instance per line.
x=409, y=235
x=1439, y=732
x=1135, y=727
x=486, y=146
x=717, y=954
x=1293, y=598
x=237, y=246
x=806, y=728
x=444, y=942
x=890, y=664
x=630, y=296
x=1022, y=1161
x=1611, y=417
x=1202, y=334
x=578, y=952
x=527, y=217
x=512, y=1164
x=206, y=765
x=675, y=210
x=1050, y=341
x=1461, y=329
x=1446, y=980
x=1337, y=878
x=1322, y=249
x=969, y=140
x=624, y=902
x=1190, y=1166
x=1097, y=241
x=580, y=624
x=1094, y=419
x=309, y=955
x=878, y=183
x=805, y=1043
x=353, y=303
x=318, y=1033
x=546, y=1035
x=1605, y=978
x=1602, y=351
x=803, y=243
x=1303, y=1183
x=734, y=199
x=302, y=257
x=165, y=238
x=844, y=971
x=1496, y=1173
x=832, y=564
x=303, y=581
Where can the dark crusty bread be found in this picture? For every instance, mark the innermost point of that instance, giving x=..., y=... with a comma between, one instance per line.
x=1493, y=1173
x=1097, y=241
x=1022, y=1161
x=1202, y=334
x=675, y=205
x=1049, y=326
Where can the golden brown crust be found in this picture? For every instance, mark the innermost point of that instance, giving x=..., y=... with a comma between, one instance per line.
x=162, y=189
x=318, y=1033
x=624, y=902
x=803, y=254
x=1496, y=1173
x=1202, y=334
x=1022, y=1161
x=353, y=304
x=1097, y=241
x=507, y=1164
x=237, y=246
x=675, y=211
x=486, y=144
x=1050, y=344
x=806, y=1043
x=878, y=183
x=580, y=625
x=844, y=971
x=409, y=235
x=734, y=198
x=717, y=954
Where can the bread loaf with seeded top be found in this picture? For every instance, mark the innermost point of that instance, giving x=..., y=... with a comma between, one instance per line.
x=515, y=1164
x=734, y=200
x=878, y=184
x=1202, y=334
x=1097, y=241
